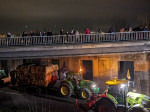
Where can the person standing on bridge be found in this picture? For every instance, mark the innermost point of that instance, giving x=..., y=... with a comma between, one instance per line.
x=32, y=33
x=49, y=33
x=130, y=29
x=87, y=32
x=24, y=34
x=77, y=36
x=49, y=39
x=8, y=34
x=62, y=32
x=111, y=30
x=73, y=31
x=145, y=28
x=62, y=38
x=99, y=31
x=44, y=33
x=8, y=37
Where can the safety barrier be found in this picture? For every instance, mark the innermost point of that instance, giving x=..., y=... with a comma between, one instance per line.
x=75, y=39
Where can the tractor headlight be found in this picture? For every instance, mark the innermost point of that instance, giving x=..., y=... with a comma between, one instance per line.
x=93, y=86
x=122, y=86
x=134, y=90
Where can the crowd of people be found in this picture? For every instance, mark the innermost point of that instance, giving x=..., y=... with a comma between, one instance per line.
x=76, y=31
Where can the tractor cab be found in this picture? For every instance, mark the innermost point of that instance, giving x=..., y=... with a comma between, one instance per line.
x=73, y=75
x=74, y=78
x=78, y=82
x=117, y=88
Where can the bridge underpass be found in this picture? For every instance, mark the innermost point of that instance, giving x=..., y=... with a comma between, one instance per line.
x=105, y=57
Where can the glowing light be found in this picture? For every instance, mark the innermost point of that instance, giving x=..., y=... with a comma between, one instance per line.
x=122, y=85
x=134, y=90
x=94, y=85
x=81, y=70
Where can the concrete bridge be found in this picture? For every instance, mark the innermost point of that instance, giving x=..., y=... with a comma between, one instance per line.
x=102, y=56
x=44, y=51
x=74, y=45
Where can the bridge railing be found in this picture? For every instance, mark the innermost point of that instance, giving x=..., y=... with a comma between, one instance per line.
x=75, y=39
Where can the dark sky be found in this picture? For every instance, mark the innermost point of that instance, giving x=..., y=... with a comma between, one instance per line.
x=57, y=14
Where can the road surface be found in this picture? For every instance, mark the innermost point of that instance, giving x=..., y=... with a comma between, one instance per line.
x=15, y=101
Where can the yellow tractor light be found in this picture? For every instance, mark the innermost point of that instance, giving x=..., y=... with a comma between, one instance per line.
x=116, y=82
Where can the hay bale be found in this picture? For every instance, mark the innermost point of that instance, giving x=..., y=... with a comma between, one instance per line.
x=35, y=75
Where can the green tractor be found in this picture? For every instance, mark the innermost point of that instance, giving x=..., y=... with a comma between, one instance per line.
x=73, y=84
x=125, y=100
x=117, y=99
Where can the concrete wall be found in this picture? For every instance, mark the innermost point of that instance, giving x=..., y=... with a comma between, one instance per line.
x=12, y=64
x=106, y=67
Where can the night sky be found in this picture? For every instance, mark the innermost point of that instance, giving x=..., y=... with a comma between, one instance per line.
x=15, y=15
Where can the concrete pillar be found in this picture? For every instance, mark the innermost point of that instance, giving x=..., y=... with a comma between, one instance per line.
x=141, y=83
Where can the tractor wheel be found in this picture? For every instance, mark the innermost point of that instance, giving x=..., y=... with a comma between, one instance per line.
x=85, y=93
x=65, y=90
x=136, y=109
x=104, y=105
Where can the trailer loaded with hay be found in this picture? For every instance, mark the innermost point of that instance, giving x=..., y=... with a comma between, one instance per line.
x=37, y=76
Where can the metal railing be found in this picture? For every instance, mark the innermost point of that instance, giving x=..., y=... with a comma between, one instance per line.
x=75, y=39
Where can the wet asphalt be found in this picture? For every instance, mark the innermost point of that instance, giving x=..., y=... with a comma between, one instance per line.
x=29, y=100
